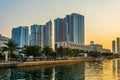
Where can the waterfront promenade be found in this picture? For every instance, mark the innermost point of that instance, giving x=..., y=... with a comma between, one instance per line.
x=49, y=62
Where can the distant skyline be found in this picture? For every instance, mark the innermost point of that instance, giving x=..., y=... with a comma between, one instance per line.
x=102, y=17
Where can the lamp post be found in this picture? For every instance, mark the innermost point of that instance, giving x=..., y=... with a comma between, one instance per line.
x=6, y=56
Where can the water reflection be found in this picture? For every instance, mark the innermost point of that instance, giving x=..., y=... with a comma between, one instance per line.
x=118, y=69
x=5, y=74
x=105, y=70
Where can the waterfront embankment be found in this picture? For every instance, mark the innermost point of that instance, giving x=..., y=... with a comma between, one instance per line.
x=54, y=62
x=40, y=63
x=8, y=65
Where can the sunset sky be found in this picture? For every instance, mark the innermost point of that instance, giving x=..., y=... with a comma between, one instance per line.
x=102, y=17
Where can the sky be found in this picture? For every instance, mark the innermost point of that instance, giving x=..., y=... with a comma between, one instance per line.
x=102, y=17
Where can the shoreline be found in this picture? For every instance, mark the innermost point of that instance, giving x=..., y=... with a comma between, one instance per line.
x=42, y=63
x=55, y=62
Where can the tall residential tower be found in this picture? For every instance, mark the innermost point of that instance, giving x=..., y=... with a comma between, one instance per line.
x=71, y=28
x=49, y=35
x=59, y=30
x=20, y=35
x=42, y=35
x=36, y=37
x=113, y=47
x=118, y=45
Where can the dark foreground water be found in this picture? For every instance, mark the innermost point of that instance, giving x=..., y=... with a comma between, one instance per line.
x=100, y=70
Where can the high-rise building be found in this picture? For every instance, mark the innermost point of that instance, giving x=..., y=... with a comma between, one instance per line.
x=113, y=47
x=37, y=33
x=75, y=26
x=20, y=35
x=59, y=30
x=72, y=27
x=118, y=45
x=42, y=35
x=49, y=35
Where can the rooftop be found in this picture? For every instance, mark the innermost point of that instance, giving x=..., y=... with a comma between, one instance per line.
x=3, y=38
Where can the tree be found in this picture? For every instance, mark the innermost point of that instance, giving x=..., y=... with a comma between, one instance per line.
x=94, y=54
x=48, y=51
x=31, y=51
x=26, y=50
x=1, y=53
x=60, y=50
x=75, y=52
x=11, y=46
x=67, y=51
x=35, y=51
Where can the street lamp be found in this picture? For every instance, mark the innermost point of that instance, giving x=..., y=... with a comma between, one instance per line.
x=6, y=56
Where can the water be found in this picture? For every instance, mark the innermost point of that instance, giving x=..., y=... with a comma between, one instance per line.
x=100, y=70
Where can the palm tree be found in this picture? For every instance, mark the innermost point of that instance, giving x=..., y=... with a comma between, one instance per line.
x=48, y=51
x=60, y=51
x=0, y=52
x=11, y=46
x=35, y=51
x=67, y=51
x=31, y=51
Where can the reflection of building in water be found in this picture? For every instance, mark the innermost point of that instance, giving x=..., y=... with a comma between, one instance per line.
x=114, y=65
x=105, y=70
x=47, y=73
x=40, y=73
x=5, y=74
x=118, y=68
x=53, y=73
x=93, y=71
x=64, y=72
x=70, y=72
x=17, y=74
x=111, y=69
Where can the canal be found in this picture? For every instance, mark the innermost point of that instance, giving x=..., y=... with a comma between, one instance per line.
x=98, y=70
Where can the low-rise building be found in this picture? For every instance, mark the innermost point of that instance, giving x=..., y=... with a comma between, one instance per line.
x=88, y=48
x=3, y=40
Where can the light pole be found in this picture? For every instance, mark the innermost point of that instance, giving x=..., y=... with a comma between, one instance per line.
x=6, y=56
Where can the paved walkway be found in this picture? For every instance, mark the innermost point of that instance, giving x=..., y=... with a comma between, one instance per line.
x=37, y=63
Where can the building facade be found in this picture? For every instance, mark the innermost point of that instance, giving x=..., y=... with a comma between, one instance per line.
x=42, y=35
x=3, y=40
x=113, y=47
x=118, y=45
x=88, y=48
x=59, y=30
x=21, y=36
x=71, y=28
x=37, y=33
x=49, y=34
